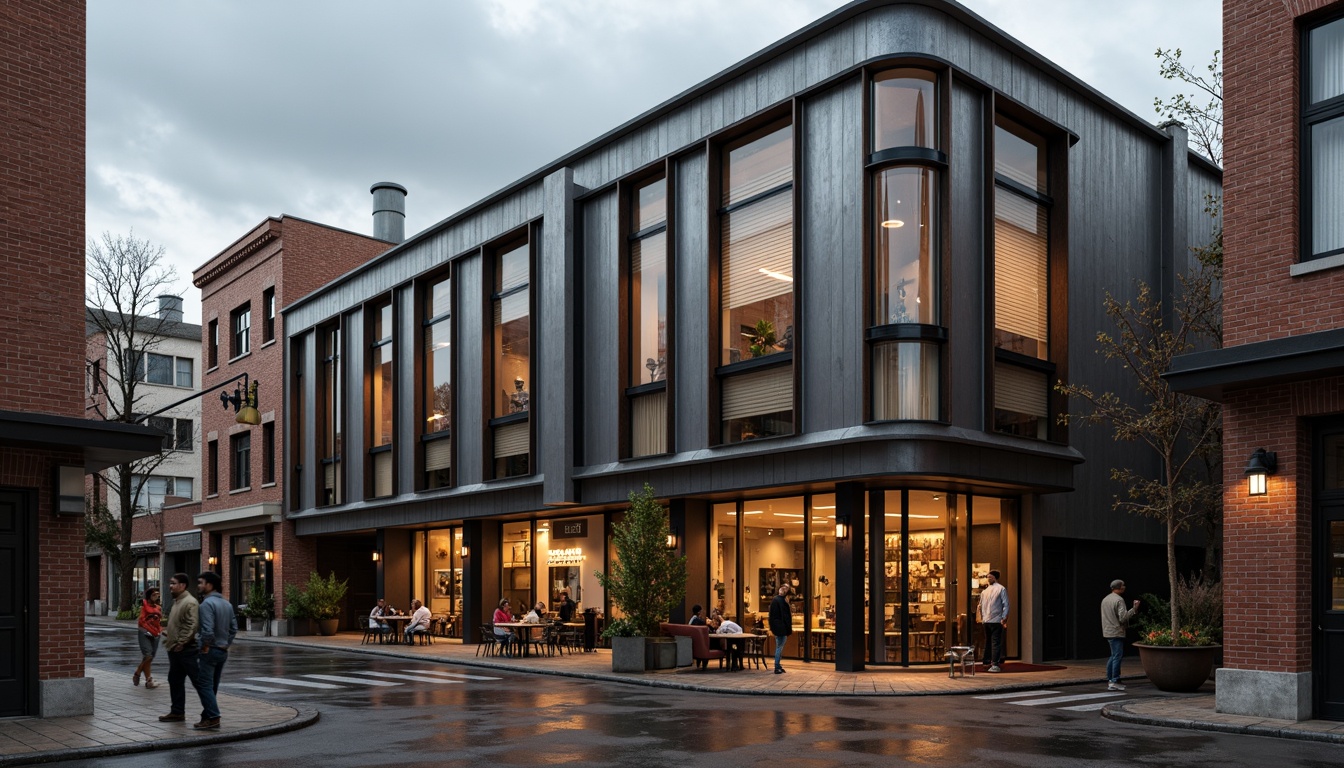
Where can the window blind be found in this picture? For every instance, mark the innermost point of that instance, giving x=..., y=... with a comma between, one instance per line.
x=758, y=252
x=1327, y=192
x=648, y=422
x=511, y=439
x=382, y=474
x=1020, y=390
x=438, y=455
x=758, y=393
x=1021, y=289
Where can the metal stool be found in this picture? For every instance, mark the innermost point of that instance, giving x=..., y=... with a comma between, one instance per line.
x=959, y=655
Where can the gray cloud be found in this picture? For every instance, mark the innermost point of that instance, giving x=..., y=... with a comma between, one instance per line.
x=206, y=117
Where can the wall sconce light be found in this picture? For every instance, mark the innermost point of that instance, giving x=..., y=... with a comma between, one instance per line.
x=842, y=527
x=1262, y=464
x=69, y=490
x=466, y=551
x=270, y=556
x=672, y=539
x=212, y=561
x=244, y=402
x=377, y=556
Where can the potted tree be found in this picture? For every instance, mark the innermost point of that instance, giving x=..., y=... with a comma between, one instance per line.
x=1183, y=434
x=645, y=583
x=298, y=610
x=324, y=598
x=257, y=610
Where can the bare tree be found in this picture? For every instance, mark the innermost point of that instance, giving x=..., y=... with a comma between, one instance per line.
x=124, y=278
x=1201, y=111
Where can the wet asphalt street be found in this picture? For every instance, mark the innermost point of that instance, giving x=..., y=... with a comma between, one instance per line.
x=391, y=712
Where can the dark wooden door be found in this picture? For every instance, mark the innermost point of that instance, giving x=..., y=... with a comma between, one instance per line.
x=1057, y=596
x=1329, y=657
x=15, y=580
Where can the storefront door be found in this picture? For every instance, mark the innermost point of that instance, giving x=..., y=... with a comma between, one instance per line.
x=1328, y=650
x=15, y=579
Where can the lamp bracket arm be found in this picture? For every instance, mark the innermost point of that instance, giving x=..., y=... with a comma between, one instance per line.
x=193, y=396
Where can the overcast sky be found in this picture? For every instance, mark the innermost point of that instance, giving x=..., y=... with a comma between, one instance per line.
x=206, y=117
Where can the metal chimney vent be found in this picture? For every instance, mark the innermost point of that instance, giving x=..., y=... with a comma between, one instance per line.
x=389, y=211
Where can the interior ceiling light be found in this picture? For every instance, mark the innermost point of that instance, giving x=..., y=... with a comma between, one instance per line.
x=818, y=506
x=776, y=275
x=893, y=224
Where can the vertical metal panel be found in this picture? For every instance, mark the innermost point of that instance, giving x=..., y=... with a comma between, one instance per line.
x=965, y=298
x=691, y=342
x=601, y=336
x=554, y=444
x=406, y=353
x=471, y=366
x=354, y=451
x=832, y=280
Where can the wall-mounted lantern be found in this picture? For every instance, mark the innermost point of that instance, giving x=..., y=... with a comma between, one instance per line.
x=1262, y=464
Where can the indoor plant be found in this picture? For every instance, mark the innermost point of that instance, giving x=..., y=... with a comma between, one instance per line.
x=646, y=581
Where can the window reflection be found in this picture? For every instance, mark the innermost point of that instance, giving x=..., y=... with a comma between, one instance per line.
x=905, y=110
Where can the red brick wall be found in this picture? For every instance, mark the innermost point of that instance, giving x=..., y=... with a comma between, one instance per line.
x=42, y=183
x=1261, y=154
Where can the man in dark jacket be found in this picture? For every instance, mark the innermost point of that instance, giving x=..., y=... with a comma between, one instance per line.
x=781, y=624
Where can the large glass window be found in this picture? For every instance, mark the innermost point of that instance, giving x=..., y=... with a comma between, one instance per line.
x=443, y=576
x=438, y=384
x=330, y=432
x=512, y=360
x=756, y=284
x=647, y=383
x=381, y=401
x=1324, y=128
x=1023, y=373
x=905, y=334
x=728, y=596
x=249, y=564
x=516, y=568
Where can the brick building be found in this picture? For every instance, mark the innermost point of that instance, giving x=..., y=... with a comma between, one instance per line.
x=242, y=472
x=1280, y=373
x=46, y=444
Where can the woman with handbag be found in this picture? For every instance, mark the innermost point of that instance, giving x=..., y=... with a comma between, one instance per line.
x=149, y=627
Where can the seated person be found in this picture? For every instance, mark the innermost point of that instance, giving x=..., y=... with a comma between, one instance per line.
x=721, y=626
x=736, y=649
x=376, y=622
x=535, y=615
x=502, y=616
x=696, y=619
x=567, y=607
x=419, y=623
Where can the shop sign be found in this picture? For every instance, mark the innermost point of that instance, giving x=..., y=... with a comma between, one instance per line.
x=568, y=556
x=570, y=529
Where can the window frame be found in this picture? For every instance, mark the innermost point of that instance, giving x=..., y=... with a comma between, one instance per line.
x=424, y=296
x=875, y=162
x=240, y=331
x=717, y=147
x=240, y=461
x=372, y=310
x=212, y=468
x=1312, y=115
x=628, y=200
x=212, y=344
x=268, y=315
x=267, y=453
x=528, y=237
x=328, y=411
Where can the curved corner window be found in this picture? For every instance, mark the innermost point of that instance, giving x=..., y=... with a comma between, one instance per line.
x=905, y=109
x=906, y=173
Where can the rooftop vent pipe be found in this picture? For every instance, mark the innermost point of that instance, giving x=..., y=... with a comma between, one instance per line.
x=389, y=211
x=170, y=308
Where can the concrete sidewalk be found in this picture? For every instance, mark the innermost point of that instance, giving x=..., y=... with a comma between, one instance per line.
x=125, y=719
x=1197, y=713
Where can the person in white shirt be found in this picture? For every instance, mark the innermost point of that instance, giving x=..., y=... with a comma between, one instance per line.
x=419, y=622
x=376, y=622
x=721, y=626
x=727, y=627
x=534, y=616
x=993, y=614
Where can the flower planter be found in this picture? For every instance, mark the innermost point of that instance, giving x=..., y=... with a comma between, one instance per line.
x=685, y=653
x=256, y=626
x=1177, y=669
x=328, y=627
x=660, y=653
x=627, y=654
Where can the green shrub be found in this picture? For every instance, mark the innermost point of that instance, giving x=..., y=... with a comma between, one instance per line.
x=647, y=580
x=318, y=599
x=619, y=628
x=259, y=604
x=126, y=615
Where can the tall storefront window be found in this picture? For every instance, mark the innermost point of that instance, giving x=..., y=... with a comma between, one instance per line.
x=568, y=557
x=381, y=402
x=726, y=583
x=329, y=432
x=512, y=332
x=438, y=384
x=443, y=574
x=907, y=165
x=647, y=383
x=249, y=565
x=516, y=566
x=756, y=286
x=1023, y=373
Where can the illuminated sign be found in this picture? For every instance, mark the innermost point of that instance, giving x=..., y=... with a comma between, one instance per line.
x=570, y=529
x=568, y=556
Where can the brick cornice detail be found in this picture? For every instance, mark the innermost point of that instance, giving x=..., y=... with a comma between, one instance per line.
x=234, y=258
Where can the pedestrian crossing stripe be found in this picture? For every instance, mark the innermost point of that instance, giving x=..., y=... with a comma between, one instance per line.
x=413, y=678
x=300, y=683
x=253, y=688
x=355, y=680
x=1016, y=695
x=449, y=674
x=1063, y=699
x=1088, y=707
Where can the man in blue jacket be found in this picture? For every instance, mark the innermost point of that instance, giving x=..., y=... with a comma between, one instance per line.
x=219, y=626
x=781, y=624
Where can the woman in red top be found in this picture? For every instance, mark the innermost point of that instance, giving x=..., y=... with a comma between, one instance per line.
x=502, y=616
x=150, y=627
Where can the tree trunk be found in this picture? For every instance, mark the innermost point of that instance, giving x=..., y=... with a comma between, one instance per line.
x=1171, y=574
x=127, y=559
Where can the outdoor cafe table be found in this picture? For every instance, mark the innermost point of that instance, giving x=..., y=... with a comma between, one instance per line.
x=398, y=624
x=523, y=626
x=736, y=647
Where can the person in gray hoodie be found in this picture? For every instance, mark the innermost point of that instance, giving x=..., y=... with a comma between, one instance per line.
x=1114, y=625
x=219, y=626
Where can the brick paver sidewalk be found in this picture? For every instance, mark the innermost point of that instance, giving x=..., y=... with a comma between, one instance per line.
x=126, y=719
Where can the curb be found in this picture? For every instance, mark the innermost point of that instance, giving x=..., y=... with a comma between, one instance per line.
x=303, y=718
x=1120, y=713
x=652, y=681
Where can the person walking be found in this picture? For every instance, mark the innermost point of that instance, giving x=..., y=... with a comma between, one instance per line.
x=1114, y=625
x=150, y=626
x=993, y=614
x=179, y=638
x=219, y=626
x=781, y=624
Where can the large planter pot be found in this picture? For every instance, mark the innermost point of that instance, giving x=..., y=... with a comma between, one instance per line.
x=256, y=626
x=685, y=653
x=627, y=654
x=300, y=627
x=328, y=626
x=660, y=653
x=1177, y=669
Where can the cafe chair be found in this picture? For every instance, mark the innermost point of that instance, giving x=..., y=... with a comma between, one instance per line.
x=488, y=642
x=370, y=630
x=425, y=635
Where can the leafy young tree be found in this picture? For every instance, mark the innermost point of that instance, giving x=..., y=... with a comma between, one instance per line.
x=124, y=278
x=1201, y=111
x=647, y=580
